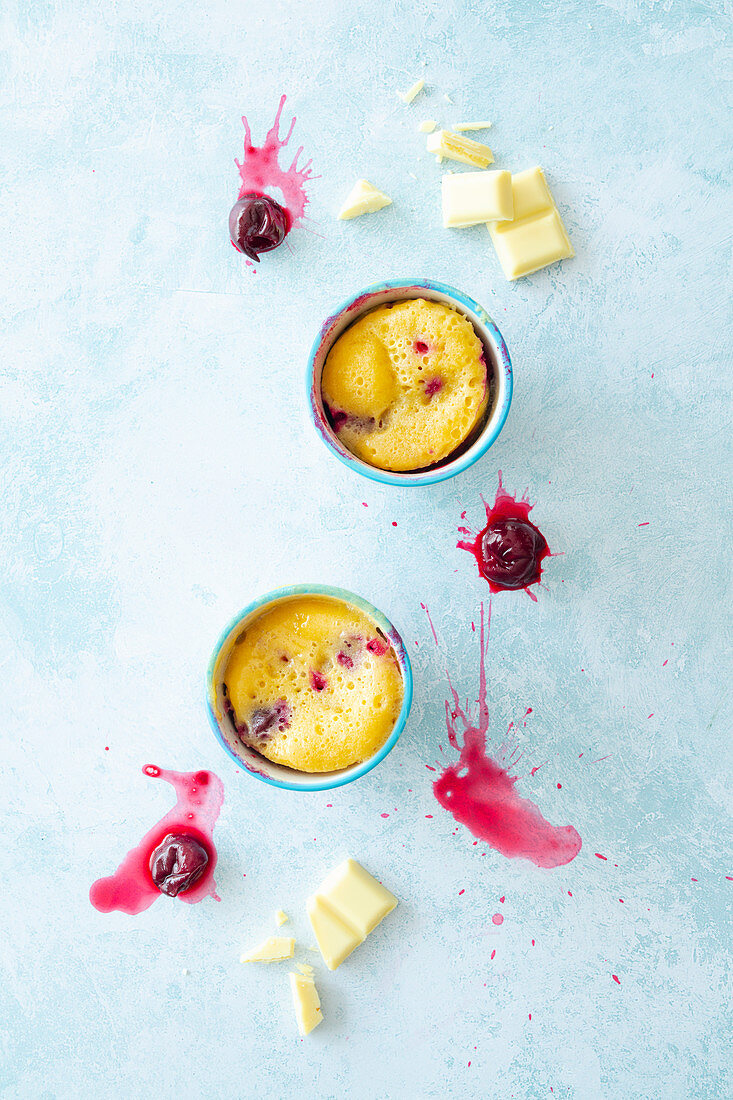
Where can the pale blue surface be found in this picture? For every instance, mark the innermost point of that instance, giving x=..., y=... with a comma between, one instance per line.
x=159, y=471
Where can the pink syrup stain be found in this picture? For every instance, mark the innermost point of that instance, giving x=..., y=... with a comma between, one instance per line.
x=199, y=798
x=481, y=794
x=260, y=170
x=497, y=918
x=505, y=506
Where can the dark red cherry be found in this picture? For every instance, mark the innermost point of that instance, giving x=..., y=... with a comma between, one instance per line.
x=433, y=386
x=318, y=681
x=178, y=863
x=257, y=224
x=264, y=719
x=511, y=552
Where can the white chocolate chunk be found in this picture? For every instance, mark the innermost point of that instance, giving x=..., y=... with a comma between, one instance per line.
x=363, y=199
x=456, y=147
x=427, y=126
x=473, y=197
x=460, y=127
x=306, y=1002
x=280, y=917
x=273, y=949
x=348, y=906
x=409, y=95
x=336, y=939
x=536, y=237
x=305, y=968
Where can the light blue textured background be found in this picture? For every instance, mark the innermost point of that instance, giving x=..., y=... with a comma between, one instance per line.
x=158, y=471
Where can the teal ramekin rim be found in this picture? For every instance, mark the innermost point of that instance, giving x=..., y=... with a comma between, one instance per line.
x=384, y=624
x=449, y=468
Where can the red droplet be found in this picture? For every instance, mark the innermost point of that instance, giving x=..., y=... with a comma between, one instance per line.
x=616, y=979
x=493, y=953
x=501, y=899
x=384, y=815
x=394, y=522
x=497, y=918
x=461, y=892
x=599, y=856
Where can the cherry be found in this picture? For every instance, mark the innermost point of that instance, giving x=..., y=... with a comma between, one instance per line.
x=433, y=386
x=177, y=863
x=257, y=224
x=511, y=552
x=349, y=650
x=339, y=418
x=264, y=718
x=318, y=681
x=378, y=647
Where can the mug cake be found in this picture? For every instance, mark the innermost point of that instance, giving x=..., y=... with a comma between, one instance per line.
x=312, y=683
x=406, y=384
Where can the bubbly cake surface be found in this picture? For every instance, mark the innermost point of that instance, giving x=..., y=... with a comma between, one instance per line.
x=406, y=384
x=313, y=684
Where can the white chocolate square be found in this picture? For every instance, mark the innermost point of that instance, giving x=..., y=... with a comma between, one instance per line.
x=536, y=236
x=473, y=197
x=336, y=939
x=348, y=906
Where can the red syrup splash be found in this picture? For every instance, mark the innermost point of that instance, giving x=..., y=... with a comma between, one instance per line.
x=261, y=173
x=509, y=550
x=131, y=888
x=482, y=795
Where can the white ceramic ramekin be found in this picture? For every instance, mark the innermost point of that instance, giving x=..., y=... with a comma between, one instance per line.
x=497, y=361
x=277, y=775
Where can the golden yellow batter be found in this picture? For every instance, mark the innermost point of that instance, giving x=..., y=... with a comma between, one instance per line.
x=406, y=384
x=314, y=684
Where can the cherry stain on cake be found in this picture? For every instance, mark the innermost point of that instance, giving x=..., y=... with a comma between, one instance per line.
x=258, y=221
x=176, y=857
x=509, y=550
x=481, y=794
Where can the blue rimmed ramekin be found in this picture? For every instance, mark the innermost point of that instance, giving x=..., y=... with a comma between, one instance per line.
x=277, y=775
x=497, y=361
